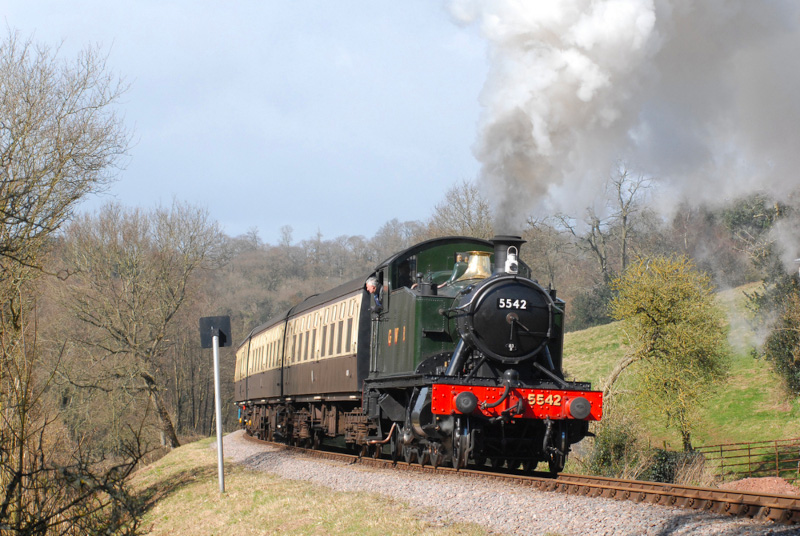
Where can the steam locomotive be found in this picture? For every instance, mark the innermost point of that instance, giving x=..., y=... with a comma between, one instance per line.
x=456, y=358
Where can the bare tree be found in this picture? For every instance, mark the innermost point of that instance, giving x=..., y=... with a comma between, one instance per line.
x=133, y=273
x=594, y=240
x=393, y=236
x=603, y=236
x=60, y=140
x=546, y=249
x=629, y=196
x=463, y=211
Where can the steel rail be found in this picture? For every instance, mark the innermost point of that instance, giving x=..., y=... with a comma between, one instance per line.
x=778, y=508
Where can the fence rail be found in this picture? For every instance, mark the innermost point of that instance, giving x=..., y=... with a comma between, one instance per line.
x=762, y=458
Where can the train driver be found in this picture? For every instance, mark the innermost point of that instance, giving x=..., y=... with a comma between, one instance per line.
x=376, y=292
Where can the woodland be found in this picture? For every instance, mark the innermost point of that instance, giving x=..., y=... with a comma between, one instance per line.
x=100, y=361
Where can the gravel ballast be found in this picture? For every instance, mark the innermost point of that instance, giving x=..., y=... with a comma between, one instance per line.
x=508, y=509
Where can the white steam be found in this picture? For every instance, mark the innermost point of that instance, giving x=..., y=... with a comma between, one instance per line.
x=702, y=96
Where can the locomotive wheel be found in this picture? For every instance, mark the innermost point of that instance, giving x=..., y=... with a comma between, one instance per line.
x=459, y=455
x=496, y=462
x=409, y=453
x=480, y=461
x=423, y=456
x=394, y=448
x=435, y=455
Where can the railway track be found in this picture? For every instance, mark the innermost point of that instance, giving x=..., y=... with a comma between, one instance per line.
x=778, y=508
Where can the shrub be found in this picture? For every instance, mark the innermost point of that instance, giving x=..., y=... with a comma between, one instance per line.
x=590, y=308
x=616, y=451
x=667, y=466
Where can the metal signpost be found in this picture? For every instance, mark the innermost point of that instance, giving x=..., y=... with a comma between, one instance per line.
x=215, y=331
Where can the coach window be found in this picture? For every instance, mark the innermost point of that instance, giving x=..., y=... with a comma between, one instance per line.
x=349, y=338
x=300, y=347
x=273, y=353
x=331, y=335
x=322, y=341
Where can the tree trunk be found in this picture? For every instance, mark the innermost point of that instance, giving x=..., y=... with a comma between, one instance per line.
x=621, y=366
x=686, y=436
x=161, y=411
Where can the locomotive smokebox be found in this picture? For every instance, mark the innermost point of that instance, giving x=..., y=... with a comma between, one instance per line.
x=503, y=245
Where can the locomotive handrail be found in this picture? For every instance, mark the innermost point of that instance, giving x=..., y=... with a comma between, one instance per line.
x=446, y=312
x=555, y=378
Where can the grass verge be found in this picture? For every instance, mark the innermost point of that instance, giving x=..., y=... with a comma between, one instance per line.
x=182, y=496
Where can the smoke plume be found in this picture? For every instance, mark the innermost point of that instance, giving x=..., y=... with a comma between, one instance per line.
x=698, y=95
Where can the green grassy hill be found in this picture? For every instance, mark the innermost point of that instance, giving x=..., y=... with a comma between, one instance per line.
x=749, y=405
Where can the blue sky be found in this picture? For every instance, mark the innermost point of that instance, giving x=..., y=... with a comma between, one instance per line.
x=330, y=116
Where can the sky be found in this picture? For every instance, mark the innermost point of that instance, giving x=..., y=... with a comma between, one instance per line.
x=337, y=117
x=334, y=117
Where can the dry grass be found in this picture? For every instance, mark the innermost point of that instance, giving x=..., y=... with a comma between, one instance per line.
x=695, y=473
x=183, y=497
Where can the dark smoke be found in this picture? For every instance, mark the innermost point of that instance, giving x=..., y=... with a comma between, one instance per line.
x=701, y=96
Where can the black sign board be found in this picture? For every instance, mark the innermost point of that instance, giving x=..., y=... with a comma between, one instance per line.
x=215, y=325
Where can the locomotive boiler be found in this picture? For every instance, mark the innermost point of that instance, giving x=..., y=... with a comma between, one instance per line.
x=456, y=357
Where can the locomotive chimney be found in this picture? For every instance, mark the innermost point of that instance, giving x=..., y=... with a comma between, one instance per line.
x=503, y=245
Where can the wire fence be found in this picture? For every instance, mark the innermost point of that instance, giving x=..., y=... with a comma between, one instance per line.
x=779, y=457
